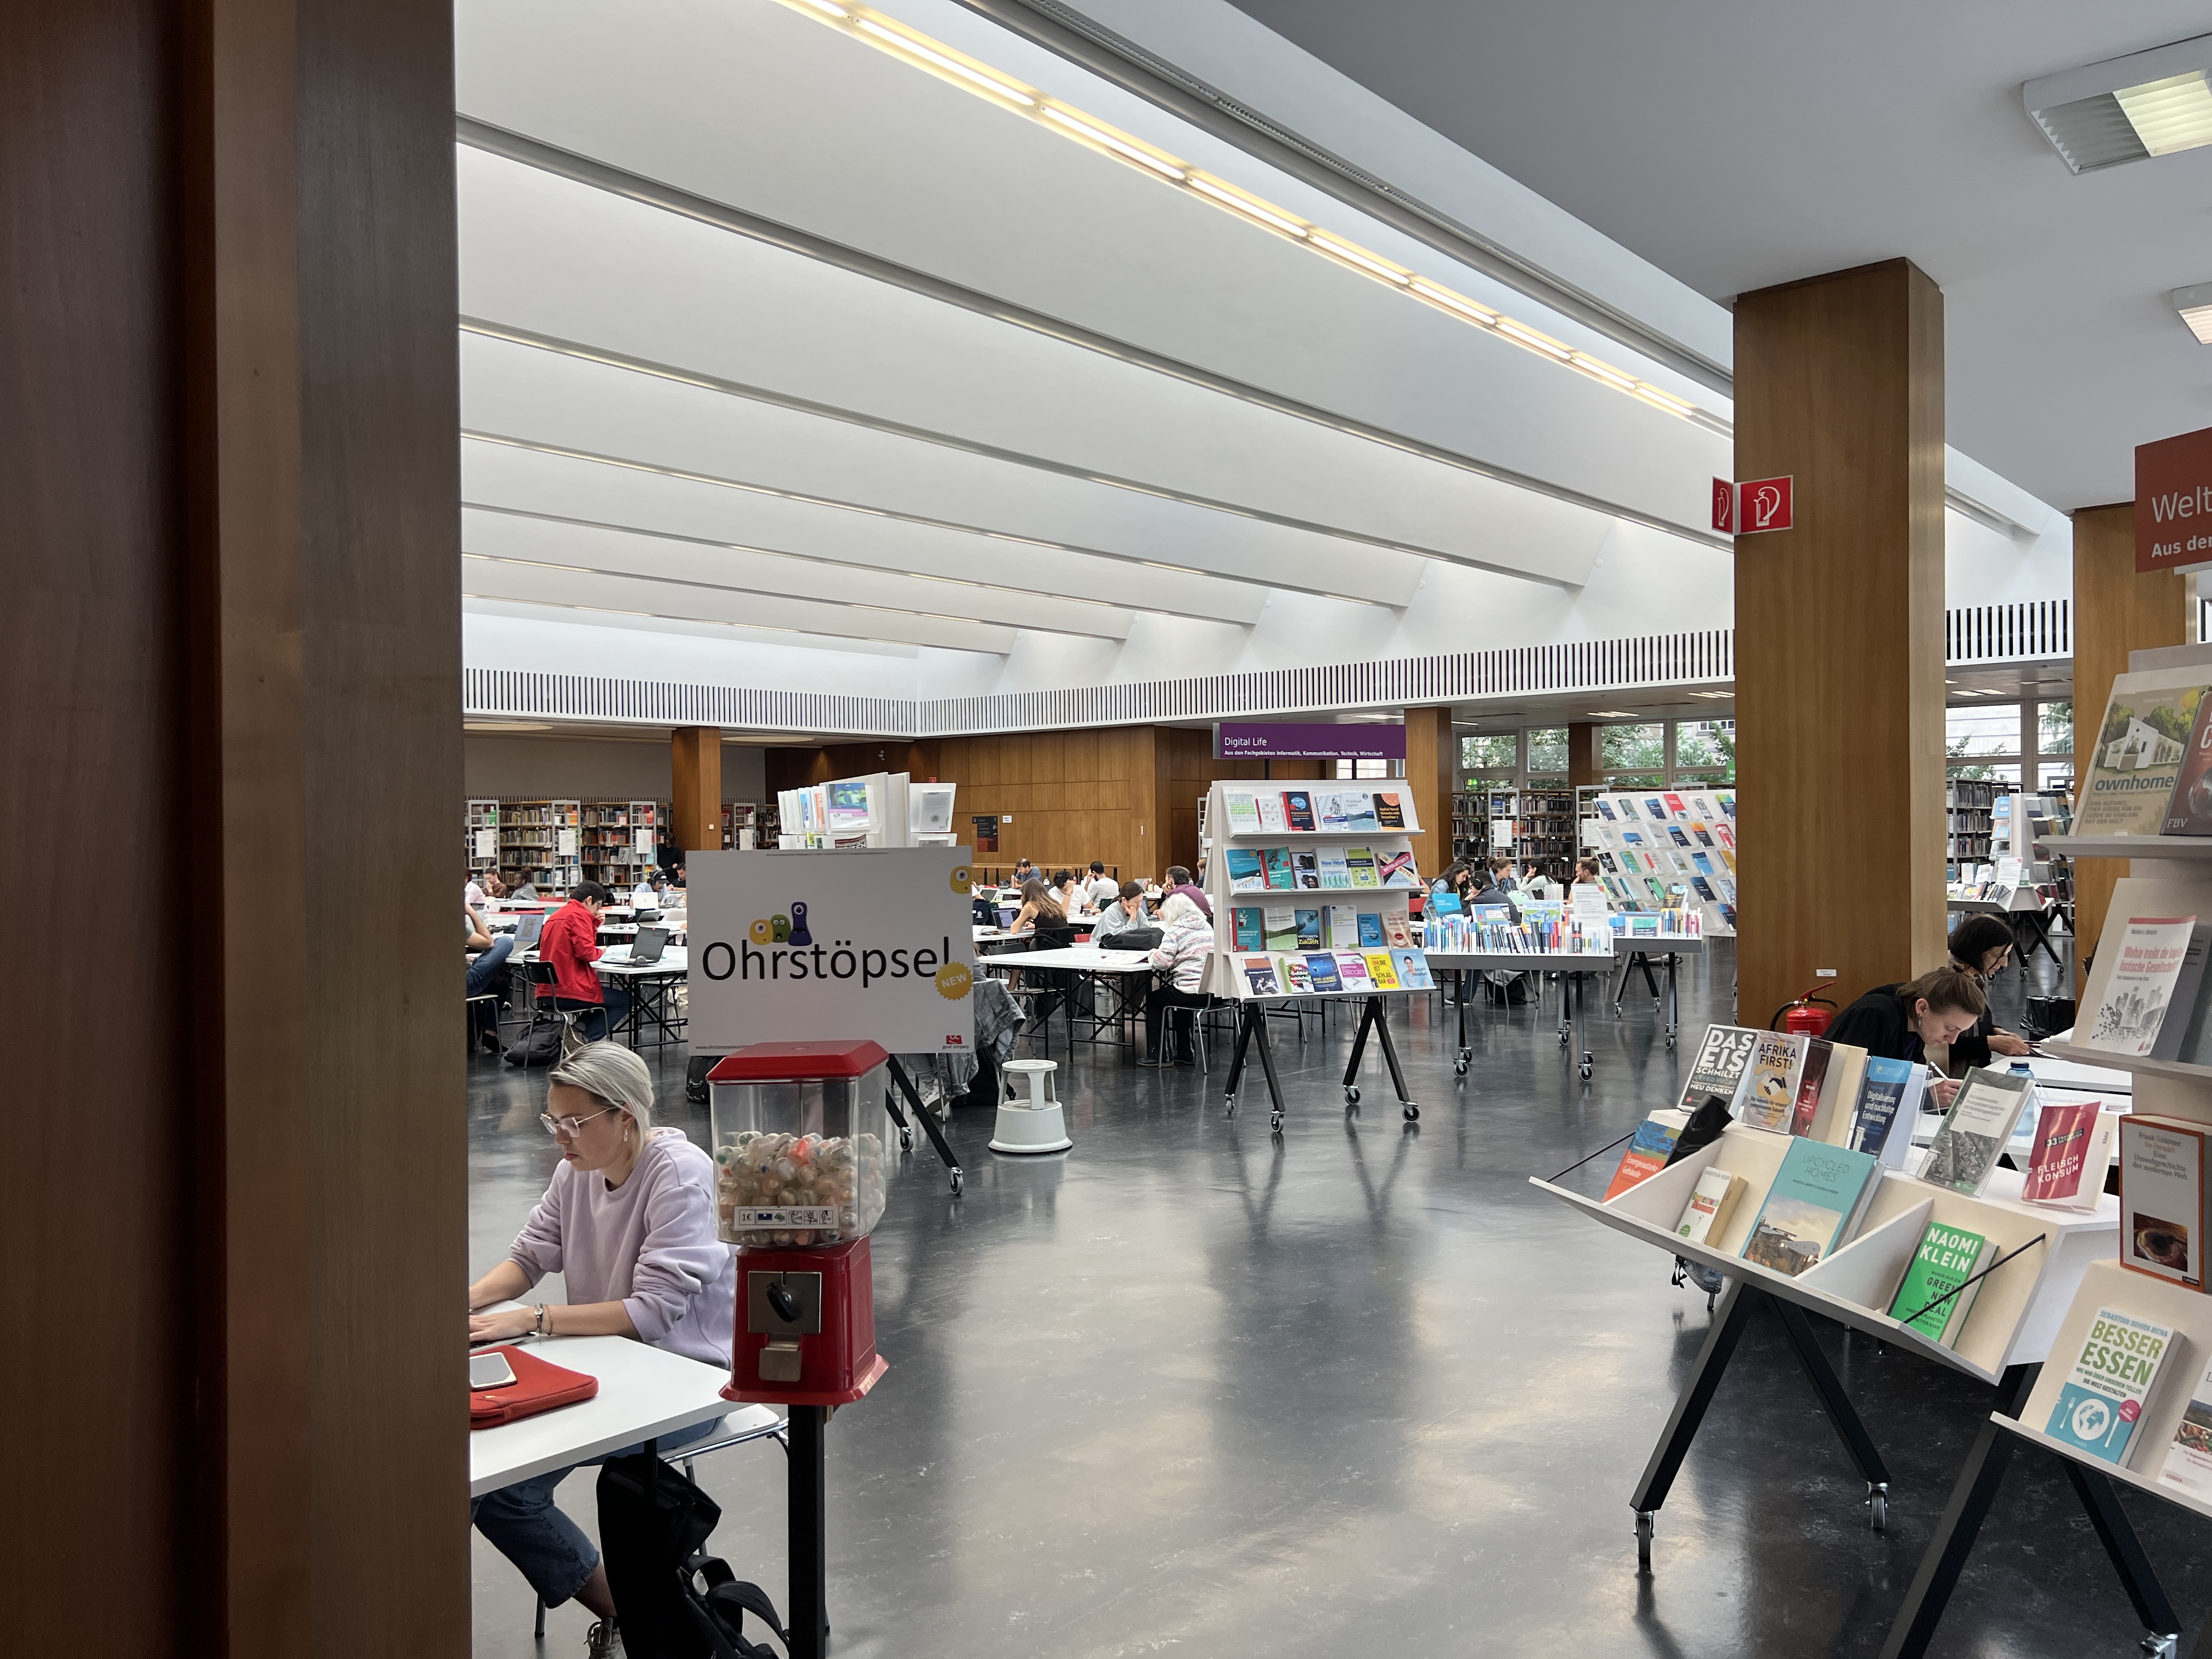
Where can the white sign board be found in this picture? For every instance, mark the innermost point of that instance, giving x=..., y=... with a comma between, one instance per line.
x=487, y=843
x=644, y=842
x=806, y=946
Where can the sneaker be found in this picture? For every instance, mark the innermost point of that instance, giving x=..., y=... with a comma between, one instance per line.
x=603, y=1641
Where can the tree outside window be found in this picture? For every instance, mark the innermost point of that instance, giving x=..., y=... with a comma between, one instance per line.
x=1547, y=752
x=1705, y=752
x=1490, y=761
x=1633, y=756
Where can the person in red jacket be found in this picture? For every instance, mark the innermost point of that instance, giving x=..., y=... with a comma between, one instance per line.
x=570, y=942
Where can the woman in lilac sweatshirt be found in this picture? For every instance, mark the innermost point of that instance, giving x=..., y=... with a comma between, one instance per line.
x=628, y=1220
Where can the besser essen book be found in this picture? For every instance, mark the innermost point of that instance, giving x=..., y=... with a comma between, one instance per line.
x=2104, y=1394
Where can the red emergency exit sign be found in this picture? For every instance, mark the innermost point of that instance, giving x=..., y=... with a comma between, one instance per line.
x=1750, y=508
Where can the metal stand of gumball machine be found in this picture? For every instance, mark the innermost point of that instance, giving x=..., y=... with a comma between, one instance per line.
x=799, y=1131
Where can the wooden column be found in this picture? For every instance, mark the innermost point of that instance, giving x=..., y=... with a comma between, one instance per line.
x=2115, y=611
x=1839, y=635
x=1431, y=763
x=233, y=651
x=694, y=793
x=1585, y=756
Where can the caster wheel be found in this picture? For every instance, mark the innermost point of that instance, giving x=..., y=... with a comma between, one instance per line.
x=1586, y=1073
x=1670, y=1039
x=1643, y=1518
x=1275, y=1123
x=1458, y=1067
x=1563, y=1039
x=1412, y=1112
x=959, y=1180
x=1352, y=1094
x=1228, y=1106
x=1878, y=1508
x=906, y=1140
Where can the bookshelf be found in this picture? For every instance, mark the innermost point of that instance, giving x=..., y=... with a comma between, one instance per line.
x=1470, y=830
x=480, y=835
x=1969, y=823
x=1662, y=849
x=608, y=835
x=1534, y=823
x=538, y=840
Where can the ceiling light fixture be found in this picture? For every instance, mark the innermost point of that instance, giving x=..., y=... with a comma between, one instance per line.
x=1720, y=696
x=873, y=29
x=1122, y=147
x=945, y=61
x=1612, y=713
x=2126, y=109
x=2194, y=305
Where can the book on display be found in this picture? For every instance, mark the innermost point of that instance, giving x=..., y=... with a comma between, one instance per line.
x=1260, y=977
x=1371, y=929
x=1412, y=969
x=2189, y=808
x=1648, y=1151
x=1712, y=1201
x=1889, y=1099
x=1272, y=819
x=1397, y=932
x=1297, y=809
x=1307, y=930
x=1320, y=967
x=1723, y=1062
x=1770, y=1099
x=1839, y=1093
x=2105, y=1392
x=2163, y=1222
x=2150, y=953
x=1382, y=972
x=1359, y=861
x=1247, y=931
x=1280, y=931
x=2181, y=1024
x=1243, y=813
x=1812, y=1073
x=1396, y=870
x=2188, y=1465
x=1335, y=870
x=1343, y=926
x=1247, y=871
x=2136, y=756
x=1982, y=1116
x=1351, y=969
x=1305, y=864
x=1279, y=875
x=1946, y=1258
x=1297, y=978
x=1390, y=809
x=1817, y=1199
x=2070, y=1156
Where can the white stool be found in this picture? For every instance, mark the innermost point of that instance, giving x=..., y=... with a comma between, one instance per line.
x=1029, y=1118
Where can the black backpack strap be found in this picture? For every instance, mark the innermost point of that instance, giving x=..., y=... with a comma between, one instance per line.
x=720, y=1614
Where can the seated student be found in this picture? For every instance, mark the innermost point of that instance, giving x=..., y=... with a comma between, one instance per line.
x=570, y=943
x=1179, y=881
x=1502, y=876
x=493, y=885
x=1124, y=915
x=629, y=1221
x=1074, y=897
x=1903, y=1022
x=1104, y=889
x=1587, y=874
x=1181, y=956
x=487, y=973
x=521, y=887
x=472, y=893
x=644, y=896
x=1981, y=945
x=1040, y=909
x=1025, y=872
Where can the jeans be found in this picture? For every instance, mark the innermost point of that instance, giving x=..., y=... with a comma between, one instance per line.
x=523, y=1524
x=611, y=1012
x=1162, y=997
x=486, y=970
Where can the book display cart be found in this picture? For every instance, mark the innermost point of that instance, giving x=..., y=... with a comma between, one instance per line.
x=1295, y=864
x=2038, y=1256
x=2169, y=876
x=1552, y=943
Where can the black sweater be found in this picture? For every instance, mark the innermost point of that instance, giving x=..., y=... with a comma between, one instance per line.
x=1877, y=1024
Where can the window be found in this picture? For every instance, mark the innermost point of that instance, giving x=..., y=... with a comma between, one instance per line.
x=1633, y=756
x=1982, y=729
x=1705, y=752
x=2055, y=729
x=1547, y=750
x=1364, y=769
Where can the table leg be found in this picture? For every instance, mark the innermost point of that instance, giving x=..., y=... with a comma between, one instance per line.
x=1673, y=996
x=1466, y=1054
x=2119, y=1538
x=1837, y=1404
x=928, y=1122
x=1381, y=1012
x=1580, y=1018
x=807, y=1533
x=1728, y=1321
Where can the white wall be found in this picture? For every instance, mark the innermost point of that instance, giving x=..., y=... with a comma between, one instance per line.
x=1982, y=566
x=576, y=767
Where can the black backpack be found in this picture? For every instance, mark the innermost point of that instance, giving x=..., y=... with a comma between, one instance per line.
x=653, y=1527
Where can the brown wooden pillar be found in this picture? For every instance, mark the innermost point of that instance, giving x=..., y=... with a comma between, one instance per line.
x=1839, y=635
x=234, y=652
x=1585, y=756
x=2115, y=611
x=1431, y=763
x=694, y=793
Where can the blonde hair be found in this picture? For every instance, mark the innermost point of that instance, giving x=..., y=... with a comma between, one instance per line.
x=612, y=1075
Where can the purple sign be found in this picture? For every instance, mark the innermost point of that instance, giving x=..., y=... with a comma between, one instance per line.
x=1254, y=740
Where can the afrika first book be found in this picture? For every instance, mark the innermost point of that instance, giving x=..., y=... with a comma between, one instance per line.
x=1770, y=1099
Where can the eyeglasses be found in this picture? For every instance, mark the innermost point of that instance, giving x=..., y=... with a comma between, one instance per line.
x=568, y=1126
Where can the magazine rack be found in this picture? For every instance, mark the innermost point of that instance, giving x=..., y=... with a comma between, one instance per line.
x=2015, y=1317
x=1229, y=812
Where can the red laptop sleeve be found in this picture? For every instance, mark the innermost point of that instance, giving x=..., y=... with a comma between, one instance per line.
x=538, y=1386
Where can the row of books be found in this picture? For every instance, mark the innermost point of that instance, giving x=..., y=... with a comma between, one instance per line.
x=2157, y=995
x=1650, y=848
x=1313, y=869
x=2150, y=763
x=1666, y=923
x=1315, y=813
x=1314, y=973
x=1317, y=927
x=1534, y=929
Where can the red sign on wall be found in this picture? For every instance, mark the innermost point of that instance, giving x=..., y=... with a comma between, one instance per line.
x=2173, y=502
x=1763, y=504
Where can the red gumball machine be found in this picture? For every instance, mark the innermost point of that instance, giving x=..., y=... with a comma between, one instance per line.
x=800, y=1143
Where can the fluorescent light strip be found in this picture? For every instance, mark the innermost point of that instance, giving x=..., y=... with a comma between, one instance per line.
x=1098, y=135
x=951, y=65
x=2199, y=319
x=2170, y=115
x=911, y=46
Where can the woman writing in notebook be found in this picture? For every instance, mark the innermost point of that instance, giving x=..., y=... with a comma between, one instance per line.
x=1903, y=1022
x=1982, y=945
x=629, y=1221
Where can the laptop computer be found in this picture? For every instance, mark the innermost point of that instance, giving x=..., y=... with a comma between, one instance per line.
x=527, y=927
x=644, y=950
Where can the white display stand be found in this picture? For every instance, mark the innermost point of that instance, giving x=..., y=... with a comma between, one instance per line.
x=1237, y=823
x=1660, y=847
x=2041, y=1254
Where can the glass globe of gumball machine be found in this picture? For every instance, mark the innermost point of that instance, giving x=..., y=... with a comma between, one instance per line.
x=800, y=1167
x=798, y=1132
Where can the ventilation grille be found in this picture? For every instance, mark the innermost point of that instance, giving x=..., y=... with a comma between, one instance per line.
x=1978, y=633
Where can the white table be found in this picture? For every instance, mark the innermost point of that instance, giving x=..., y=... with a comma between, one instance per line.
x=1090, y=960
x=643, y=1392
x=649, y=984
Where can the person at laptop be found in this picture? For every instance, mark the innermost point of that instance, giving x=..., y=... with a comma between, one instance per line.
x=629, y=1221
x=643, y=896
x=487, y=972
x=570, y=943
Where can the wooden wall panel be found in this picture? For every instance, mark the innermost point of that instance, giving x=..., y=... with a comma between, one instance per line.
x=1432, y=765
x=1839, y=634
x=2115, y=611
x=1585, y=754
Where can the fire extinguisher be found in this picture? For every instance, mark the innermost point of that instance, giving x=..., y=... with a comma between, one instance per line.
x=1803, y=1017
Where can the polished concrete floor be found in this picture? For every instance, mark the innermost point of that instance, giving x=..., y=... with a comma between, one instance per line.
x=1357, y=1390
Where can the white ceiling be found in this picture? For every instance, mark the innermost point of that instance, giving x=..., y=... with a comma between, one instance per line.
x=993, y=395
x=1735, y=145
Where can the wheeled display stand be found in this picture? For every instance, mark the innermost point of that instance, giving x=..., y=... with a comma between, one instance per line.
x=2045, y=1253
x=1574, y=968
x=905, y=1085
x=1634, y=952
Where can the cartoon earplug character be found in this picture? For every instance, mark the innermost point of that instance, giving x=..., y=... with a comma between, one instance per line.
x=780, y=928
x=799, y=933
x=761, y=933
